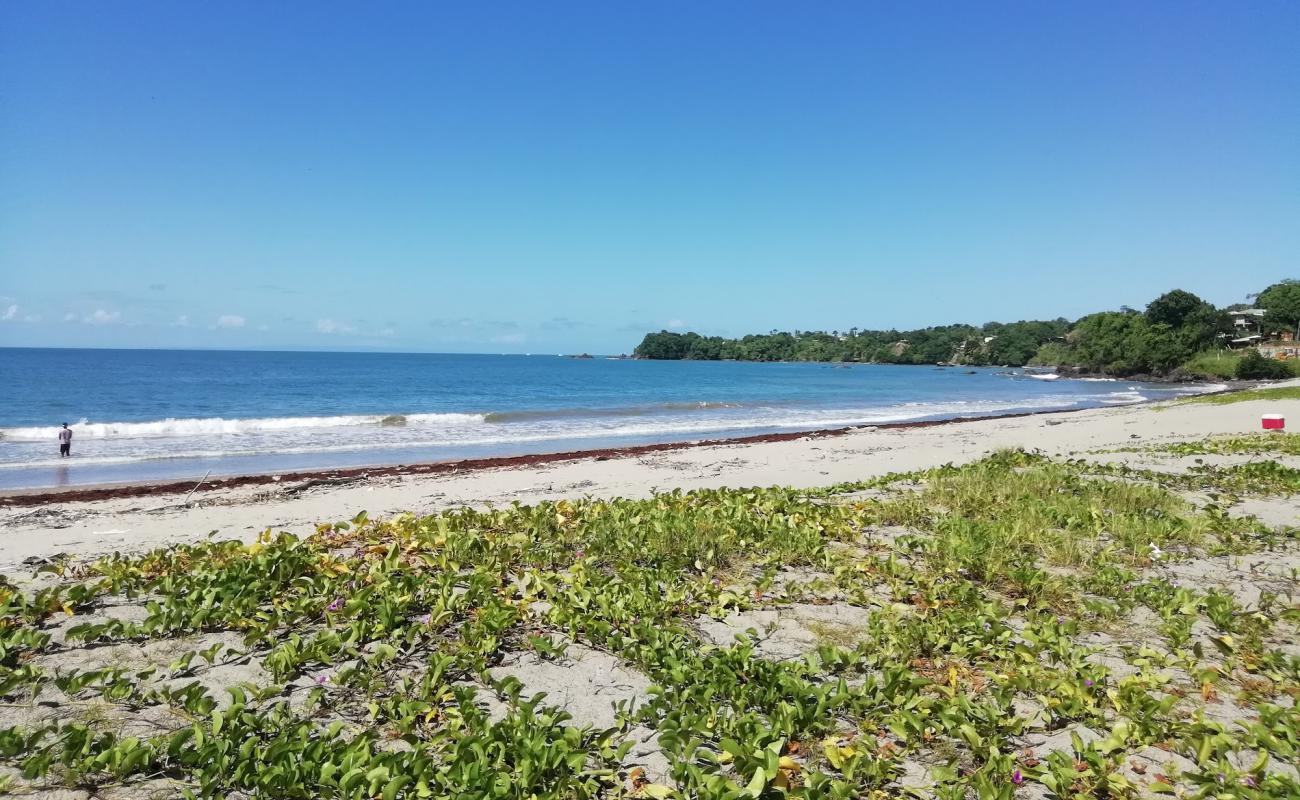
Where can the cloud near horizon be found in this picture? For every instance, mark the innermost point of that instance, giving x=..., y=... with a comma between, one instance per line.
x=100, y=317
x=230, y=321
x=328, y=326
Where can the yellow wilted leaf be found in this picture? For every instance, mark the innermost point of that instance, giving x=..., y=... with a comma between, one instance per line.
x=836, y=754
x=67, y=609
x=789, y=763
x=658, y=791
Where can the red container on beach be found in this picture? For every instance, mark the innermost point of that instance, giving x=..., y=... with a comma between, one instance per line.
x=1273, y=422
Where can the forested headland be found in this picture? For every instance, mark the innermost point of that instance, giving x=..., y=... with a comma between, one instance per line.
x=1177, y=335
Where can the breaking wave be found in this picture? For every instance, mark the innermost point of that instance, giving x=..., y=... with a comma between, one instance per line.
x=1132, y=395
x=218, y=426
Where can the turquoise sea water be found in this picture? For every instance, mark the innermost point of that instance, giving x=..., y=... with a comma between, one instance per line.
x=143, y=415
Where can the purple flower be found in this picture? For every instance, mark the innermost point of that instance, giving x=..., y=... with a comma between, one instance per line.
x=336, y=605
x=1248, y=781
x=424, y=620
x=988, y=627
x=1017, y=778
x=322, y=679
x=1087, y=682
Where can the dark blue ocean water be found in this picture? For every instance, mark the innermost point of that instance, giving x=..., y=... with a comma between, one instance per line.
x=162, y=414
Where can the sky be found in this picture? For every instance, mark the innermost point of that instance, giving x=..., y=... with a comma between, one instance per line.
x=564, y=177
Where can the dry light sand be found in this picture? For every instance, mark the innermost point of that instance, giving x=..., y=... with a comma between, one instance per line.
x=85, y=529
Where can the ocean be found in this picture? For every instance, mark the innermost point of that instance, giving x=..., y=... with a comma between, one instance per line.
x=155, y=415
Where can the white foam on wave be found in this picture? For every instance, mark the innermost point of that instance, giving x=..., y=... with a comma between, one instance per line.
x=1132, y=395
x=370, y=435
x=1201, y=388
x=219, y=426
x=218, y=438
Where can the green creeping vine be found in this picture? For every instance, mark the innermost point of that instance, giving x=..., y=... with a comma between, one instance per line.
x=360, y=662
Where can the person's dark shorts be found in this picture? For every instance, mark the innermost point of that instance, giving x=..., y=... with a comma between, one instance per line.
x=65, y=449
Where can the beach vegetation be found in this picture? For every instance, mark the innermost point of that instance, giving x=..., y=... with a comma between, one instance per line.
x=1217, y=364
x=958, y=632
x=1253, y=366
x=1273, y=443
x=1246, y=395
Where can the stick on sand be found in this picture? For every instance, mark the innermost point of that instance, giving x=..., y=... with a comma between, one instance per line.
x=196, y=487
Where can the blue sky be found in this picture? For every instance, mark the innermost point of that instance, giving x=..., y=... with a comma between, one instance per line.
x=555, y=177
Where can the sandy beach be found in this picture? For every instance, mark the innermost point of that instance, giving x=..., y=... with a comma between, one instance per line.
x=132, y=524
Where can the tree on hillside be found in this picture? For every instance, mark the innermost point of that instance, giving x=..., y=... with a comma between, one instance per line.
x=1108, y=341
x=1201, y=328
x=1173, y=308
x=1281, y=304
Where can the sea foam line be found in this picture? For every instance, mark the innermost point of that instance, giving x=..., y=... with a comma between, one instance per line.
x=219, y=426
x=416, y=437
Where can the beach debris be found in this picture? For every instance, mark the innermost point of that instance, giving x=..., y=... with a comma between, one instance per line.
x=315, y=482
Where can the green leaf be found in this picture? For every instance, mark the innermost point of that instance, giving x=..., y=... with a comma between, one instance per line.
x=394, y=786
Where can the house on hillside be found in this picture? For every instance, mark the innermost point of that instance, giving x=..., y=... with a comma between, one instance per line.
x=1247, y=328
x=1247, y=321
x=1248, y=331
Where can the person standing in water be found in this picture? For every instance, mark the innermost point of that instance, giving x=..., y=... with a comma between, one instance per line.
x=65, y=441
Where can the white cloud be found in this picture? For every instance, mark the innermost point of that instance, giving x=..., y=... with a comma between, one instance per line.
x=10, y=312
x=69, y=317
x=102, y=317
x=330, y=326
x=183, y=321
x=510, y=338
x=230, y=321
x=32, y=318
x=264, y=327
x=676, y=325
